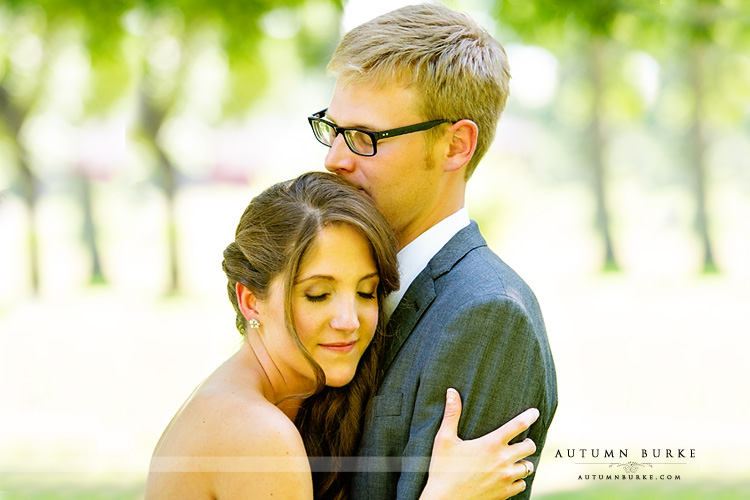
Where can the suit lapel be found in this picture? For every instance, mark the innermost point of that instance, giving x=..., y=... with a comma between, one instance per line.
x=420, y=294
x=422, y=290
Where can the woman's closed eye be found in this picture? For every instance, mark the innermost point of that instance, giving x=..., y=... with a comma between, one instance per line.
x=323, y=296
x=316, y=298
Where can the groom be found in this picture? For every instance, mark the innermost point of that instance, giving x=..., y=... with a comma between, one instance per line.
x=415, y=107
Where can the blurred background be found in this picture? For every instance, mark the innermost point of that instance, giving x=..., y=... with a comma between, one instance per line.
x=134, y=133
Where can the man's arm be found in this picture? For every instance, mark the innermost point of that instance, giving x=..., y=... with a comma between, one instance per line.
x=494, y=352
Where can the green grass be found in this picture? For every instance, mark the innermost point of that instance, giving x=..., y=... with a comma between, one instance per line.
x=50, y=491
x=704, y=491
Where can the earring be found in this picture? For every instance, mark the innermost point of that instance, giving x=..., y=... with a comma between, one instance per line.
x=253, y=323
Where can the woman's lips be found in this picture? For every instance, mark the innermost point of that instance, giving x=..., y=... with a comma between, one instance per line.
x=339, y=347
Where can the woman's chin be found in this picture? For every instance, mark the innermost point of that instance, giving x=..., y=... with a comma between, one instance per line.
x=338, y=379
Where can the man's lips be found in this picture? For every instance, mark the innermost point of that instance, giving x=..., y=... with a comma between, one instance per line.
x=340, y=347
x=359, y=188
x=354, y=184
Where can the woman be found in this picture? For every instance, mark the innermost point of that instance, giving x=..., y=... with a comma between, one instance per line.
x=310, y=265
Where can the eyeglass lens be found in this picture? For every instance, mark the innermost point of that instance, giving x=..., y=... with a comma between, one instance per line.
x=357, y=141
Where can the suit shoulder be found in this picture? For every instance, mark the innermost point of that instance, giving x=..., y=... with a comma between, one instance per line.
x=483, y=276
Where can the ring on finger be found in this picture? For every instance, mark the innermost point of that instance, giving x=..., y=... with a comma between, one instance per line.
x=529, y=470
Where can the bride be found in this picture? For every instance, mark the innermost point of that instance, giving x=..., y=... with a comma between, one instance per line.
x=311, y=263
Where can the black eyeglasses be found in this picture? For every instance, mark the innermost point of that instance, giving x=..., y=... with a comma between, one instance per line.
x=361, y=142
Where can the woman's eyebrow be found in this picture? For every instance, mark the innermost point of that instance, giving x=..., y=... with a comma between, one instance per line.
x=328, y=277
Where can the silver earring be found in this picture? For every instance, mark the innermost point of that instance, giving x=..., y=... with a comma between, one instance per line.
x=253, y=323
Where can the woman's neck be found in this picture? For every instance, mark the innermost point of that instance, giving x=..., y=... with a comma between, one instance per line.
x=278, y=386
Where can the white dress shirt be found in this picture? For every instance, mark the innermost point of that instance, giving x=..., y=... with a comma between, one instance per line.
x=415, y=256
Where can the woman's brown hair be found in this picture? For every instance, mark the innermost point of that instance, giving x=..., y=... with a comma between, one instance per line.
x=273, y=236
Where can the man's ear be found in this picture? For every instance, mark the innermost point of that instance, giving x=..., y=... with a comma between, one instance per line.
x=247, y=301
x=463, y=142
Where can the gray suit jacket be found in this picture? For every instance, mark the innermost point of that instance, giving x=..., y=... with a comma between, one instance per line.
x=469, y=322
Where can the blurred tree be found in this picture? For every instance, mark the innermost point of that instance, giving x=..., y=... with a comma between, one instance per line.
x=581, y=31
x=698, y=35
x=697, y=23
x=703, y=37
x=21, y=76
x=149, y=50
x=13, y=116
x=174, y=36
x=34, y=31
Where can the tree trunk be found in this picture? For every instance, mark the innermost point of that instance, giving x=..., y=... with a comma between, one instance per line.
x=170, y=190
x=89, y=230
x=597, y=141
x=14, y=118
x=697, y=159
x=29, y=188
x=152, y=119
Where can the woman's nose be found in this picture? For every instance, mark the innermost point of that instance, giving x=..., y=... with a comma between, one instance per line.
x=345, y=318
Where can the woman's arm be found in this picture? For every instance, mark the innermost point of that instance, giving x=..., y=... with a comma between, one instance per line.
x=486, y=467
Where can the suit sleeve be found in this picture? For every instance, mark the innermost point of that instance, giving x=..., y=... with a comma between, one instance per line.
x=490, y=351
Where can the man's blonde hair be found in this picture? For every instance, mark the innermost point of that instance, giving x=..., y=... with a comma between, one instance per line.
x=457, y=68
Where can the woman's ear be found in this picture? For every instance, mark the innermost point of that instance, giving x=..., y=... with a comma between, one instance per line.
x=247, y=302
x=462, y=145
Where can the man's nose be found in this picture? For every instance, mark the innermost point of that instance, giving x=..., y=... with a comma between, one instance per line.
x=340, y=158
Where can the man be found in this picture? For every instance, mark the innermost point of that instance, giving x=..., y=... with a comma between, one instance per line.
x=415, y=106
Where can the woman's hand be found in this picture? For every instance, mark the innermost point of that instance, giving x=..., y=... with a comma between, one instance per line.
x=486, y=467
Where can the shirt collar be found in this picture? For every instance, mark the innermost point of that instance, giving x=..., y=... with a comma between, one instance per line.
x=415, y=256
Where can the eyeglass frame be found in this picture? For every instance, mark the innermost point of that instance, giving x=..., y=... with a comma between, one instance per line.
x=374, y=136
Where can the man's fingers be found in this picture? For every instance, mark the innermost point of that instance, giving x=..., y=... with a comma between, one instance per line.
x=451, y=415
x=516, y=426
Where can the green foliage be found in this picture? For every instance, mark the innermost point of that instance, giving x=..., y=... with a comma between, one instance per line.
x=644, y=24
x=108, y=28
x=560, y=18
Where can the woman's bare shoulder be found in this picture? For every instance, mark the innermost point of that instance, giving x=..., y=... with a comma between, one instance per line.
x=254, y=426
x=242, y=444
x=262, y=451
x=220, y=421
